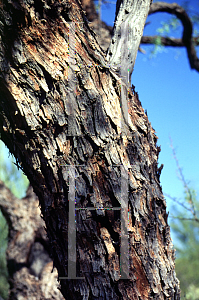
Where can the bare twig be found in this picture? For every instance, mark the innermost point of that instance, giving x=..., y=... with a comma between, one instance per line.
x=186, y=187
x=178, y=202
x=185, y=219
x=141, y=50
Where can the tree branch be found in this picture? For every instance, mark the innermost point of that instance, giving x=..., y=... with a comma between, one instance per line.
x=187, y=189
x=127, y=31
x=187, y=40
x=28, y=255
x=185, y=219
x=167, y=41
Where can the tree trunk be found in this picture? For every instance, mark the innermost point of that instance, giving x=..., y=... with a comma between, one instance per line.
x=61, y=118
x=28, y=260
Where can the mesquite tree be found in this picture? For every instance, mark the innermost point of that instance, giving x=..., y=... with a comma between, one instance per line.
x=80, y=134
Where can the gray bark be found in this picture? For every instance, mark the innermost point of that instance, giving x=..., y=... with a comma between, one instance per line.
x=127, y=32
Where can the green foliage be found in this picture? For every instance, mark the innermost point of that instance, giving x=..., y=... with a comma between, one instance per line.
x=13, y=178
x=186, y=228
x=192, y=292
x=187, y=270
x=185, y=224
x=4, y=286
x=167, y=27
x=17, y=182
x=158, y=47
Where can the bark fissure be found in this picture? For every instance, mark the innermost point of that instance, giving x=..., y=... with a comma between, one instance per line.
x=71, y=121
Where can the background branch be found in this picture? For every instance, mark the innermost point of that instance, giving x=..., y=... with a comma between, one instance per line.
x=188, y=191
x=187, y=39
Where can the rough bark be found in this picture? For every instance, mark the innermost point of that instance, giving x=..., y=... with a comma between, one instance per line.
x=128, y=28
x=102, y=30
x=61, y=118
x=187, y=40
x=30, y=268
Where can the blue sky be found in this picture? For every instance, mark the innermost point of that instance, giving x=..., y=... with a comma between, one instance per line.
x=169, y=90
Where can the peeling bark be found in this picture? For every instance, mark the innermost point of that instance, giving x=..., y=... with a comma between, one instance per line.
x=61, y=118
